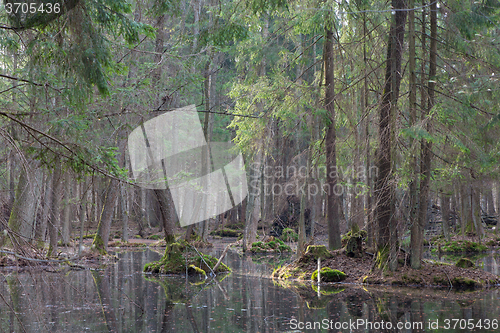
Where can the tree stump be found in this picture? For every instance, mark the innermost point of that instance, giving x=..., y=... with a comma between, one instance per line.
x=354, y=247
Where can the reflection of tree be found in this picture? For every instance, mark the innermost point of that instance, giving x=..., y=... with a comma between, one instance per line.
x=14, y=305
x=190, y=317
x=166, y=320
x=176, y=292
x=102, y=286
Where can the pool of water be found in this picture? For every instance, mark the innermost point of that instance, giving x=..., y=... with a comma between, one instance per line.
x=120, y=298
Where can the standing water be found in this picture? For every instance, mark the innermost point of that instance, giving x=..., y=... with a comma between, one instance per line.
x=120, y=298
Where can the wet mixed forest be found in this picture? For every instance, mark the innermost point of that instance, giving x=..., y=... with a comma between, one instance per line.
x=374, y=115
x=369, y=134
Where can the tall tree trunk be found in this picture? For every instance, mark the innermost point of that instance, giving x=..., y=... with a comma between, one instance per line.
x=21, y=220
x=65, y=235
x=304, y=199
x=124, y=211
x=101, y=238
x=385, y=188
x=416, y=229
x=476, y=212
x=41, y=226
x=445, y=214
x=167, y=211
x=55, y=207
x=207, y=127
x=252, y=206
x=83, y=211
x=465, y=213
x=488, y=190
x=425, y=165
x=369, y=206
x=333, y=218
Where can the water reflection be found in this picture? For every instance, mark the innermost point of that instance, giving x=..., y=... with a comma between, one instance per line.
x=121, y=298
x=488, y=261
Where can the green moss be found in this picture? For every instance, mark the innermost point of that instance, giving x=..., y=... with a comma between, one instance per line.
x=179, y=255
x=154, y=237
x=315, y=251
x=492, y=242
x=258, y=244
x=226, y=233
x=329, y=275
x=464, y=283
x=284, y=248
x=354, y=232
x=98, y=245
x=50, y=251
x=328, y=289
x=465, y=263
x=411, y=280
x=289, y=235
x=437, y=238
x=460, y=247
x=273, y=245
x=382, y=258
x=192, y=269
x=441, y=280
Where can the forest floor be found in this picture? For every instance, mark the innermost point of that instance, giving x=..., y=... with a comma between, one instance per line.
x=364, y=270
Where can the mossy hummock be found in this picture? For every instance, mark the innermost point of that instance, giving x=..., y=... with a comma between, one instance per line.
x=460, y=246
x=180, y=255
x=289, y=235
x=317, y=251
x=328, y=275
x=465, y=263
x=272, y=245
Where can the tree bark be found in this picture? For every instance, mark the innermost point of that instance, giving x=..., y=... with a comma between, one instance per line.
x=384, y=186
x=21, y=220
x=65, y=235
x=425, y=166
x=41, y=226
x=252, y=207
x=416, y=229
x=333, y=219
x=124, y=211
x=167, y=211
x=445, y=214
x=101, y=238
x=369, y=206
x=55, y=207
x=488, y=190
x=476, y=212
